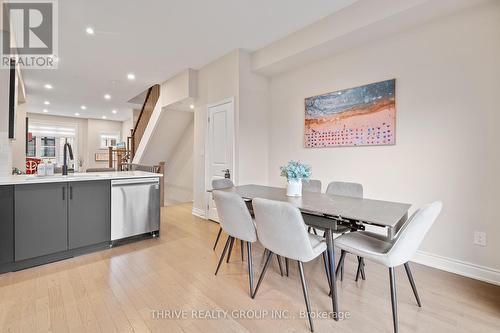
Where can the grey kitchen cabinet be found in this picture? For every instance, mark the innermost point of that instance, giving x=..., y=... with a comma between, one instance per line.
x=6, y=224
x=41, y=214
x=89, y=214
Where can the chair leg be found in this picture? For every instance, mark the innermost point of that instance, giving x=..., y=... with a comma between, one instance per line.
x=306, y=294
x=287, y=264
x=394, y=300
x=279, y=263
x=412, y=282
x=340, y=266
x=263, y=273
x=327, y=270
x=250, y=267
x=264, y=256
x=242, y=251
x=218, y=236
x=223, y=254
x=230, y=249
x=358, y=271
x=362, y=270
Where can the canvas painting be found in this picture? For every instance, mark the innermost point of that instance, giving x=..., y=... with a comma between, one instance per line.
x=361, y=116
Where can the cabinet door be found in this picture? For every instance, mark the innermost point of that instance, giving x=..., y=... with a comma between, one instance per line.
x=6, y=224
x=89, y=219
x=41, y=219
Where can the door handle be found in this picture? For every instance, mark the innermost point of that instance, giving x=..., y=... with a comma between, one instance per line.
x=227, y=173
x=70, y=192
x=64, y=193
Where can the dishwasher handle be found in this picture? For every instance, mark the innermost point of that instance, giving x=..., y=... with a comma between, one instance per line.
x=135, y=181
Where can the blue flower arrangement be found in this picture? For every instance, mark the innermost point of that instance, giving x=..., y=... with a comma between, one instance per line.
x=294, y=170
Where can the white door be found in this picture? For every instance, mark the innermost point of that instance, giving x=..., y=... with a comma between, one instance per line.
x=220, y=147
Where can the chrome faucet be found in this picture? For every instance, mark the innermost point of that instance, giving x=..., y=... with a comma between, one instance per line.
x=65, y=158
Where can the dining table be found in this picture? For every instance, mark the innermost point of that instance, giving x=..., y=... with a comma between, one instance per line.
x=334, y=214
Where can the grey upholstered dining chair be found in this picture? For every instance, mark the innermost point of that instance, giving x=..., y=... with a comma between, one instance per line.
x=236, y=221
x=354, y=190
x=219, y=184
x=312, y=185
x=281, y=230
x=395, y=253
x=346, y=189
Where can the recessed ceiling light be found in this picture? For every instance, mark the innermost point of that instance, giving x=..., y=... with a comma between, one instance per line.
x=191, y=106
x=90, y=31
x=107, y=96
x=46, y=103
x=83, y=107
x=45, y=110
x=103, y=117
x=130, y=76
x=48, y=86
x=114, y=111
x=77, y=114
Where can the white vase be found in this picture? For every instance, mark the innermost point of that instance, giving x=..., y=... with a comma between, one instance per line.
x=294, y=188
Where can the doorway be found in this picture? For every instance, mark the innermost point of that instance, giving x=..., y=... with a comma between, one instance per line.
x=220, y=148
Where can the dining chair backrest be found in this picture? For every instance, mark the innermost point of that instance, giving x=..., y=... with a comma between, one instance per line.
x=222, y=183
x=311, y=185
x=411, y=236
x=234, y=216
x=345, y=189
x=281, y=229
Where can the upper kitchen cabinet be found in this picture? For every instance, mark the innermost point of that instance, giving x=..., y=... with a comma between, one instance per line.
x=41, y=213
x=89, y=215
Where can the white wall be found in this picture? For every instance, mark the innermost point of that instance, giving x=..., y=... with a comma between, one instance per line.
x=127, y=125
x=252, y=123
x=95, y=128
x=447, y=83
x=172, y=142
x=179, y=168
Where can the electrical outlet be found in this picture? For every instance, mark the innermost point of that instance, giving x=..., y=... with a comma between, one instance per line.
x=480, y=238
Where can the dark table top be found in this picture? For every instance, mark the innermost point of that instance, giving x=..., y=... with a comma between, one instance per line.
x=383, y=213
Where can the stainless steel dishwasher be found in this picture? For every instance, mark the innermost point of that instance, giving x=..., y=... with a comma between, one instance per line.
x=135, y=207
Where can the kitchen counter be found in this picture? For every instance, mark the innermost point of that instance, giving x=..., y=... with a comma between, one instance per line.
x=50, y=218
x=75, y=177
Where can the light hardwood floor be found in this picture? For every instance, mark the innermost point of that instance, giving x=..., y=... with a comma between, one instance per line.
x=117, y=290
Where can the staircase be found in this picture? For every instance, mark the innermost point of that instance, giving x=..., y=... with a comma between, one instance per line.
x=142, y=121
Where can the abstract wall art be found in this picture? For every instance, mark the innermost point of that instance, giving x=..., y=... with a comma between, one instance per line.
x=361, y=116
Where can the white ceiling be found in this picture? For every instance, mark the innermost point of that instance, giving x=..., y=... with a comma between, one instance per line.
x=154, y=39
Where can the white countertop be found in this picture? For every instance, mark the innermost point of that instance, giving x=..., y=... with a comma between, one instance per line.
x=33, y=179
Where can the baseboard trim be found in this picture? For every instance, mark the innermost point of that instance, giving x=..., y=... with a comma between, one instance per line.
x=459, y=267
x=198, y=213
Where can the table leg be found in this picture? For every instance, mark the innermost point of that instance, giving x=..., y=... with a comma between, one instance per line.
x=333, y=280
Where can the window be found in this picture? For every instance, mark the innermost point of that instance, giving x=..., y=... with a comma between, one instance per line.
x=48, y=147
x=31, y=147
x=48, y=141
x=109, y=140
